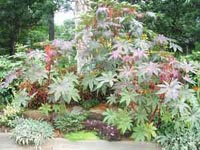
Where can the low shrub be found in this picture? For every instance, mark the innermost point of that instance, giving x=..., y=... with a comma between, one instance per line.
x=28, y=131
x=69, y=122
x=107, y=132
x=90, y=103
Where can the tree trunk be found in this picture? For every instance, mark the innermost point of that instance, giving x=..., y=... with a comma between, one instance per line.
x=81, y=6
x=12, y=46
x=51, y=26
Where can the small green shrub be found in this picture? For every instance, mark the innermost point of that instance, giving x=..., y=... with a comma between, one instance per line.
x=45, y=109
x=82, y=135
x=90, y=103
x=69, y=122
x=122, y=119
x=28, y=131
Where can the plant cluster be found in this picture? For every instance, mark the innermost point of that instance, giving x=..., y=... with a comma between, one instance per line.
x=69, y=122
x=123, y=63
x=128, y=64
x=47, y=109
x=107, y=132
x=180, y=139
x=89, y=103
x=28, y=131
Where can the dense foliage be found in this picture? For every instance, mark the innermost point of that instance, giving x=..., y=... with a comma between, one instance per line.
x=69, y=122
x=176, y=19
x=19, y=16
x=149, y=92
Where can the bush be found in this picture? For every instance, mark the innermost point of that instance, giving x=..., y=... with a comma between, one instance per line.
x=28, y=131
x=69, y=122
x=90, y=103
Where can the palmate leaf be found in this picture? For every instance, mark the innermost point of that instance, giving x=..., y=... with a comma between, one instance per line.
x=36, y=73
x=65, y=89
x=171, y=90
x=107, y=78
x=110, y=117
x=89, y=81
x=161, y=40
x=141, y=116
x=122, y=119
x=188, y=95
x=139, y=133
x=144, y=132
x=45, y=109
x=10, y=77
x=136, y=28
x=149, y=69
x=112, y=99
x=128, y=96
x=124, y=47
x=194, y=117
x=180, y=107
x=187, y=67
x=127, y=72
x=142, y=44
x=70, y=77
x=21, y=99
x=175, y=47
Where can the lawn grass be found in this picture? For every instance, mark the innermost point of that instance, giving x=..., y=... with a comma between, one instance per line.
x=81, y=135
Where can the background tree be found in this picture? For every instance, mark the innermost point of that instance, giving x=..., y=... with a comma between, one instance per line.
x=178, y=19
x=51, y=6
x=19, y=16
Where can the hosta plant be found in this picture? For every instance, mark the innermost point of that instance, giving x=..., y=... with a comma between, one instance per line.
x=29, y=131
x=183, y=139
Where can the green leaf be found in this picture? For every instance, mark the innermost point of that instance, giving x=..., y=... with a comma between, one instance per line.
x=139, y=133
x=110, y=117
x=59, y=108
x=106, y=78
x=141, y=116
x=128, y=96
x=21, y=99
x=36, y=73
x=45, y=109
x=89, y=81
x=65, y=89
x=175, y=47
x=144, y=132
x=122, y=119
x=112, y=99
